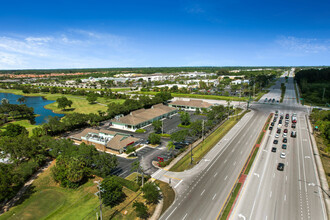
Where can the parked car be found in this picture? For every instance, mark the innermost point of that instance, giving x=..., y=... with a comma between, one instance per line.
x=277, y=135
x=285, y=140
x=270, y=128
x=293, y=125
x=278, y=130
x=274, y=149
x=280, y=166
x=284, y=135
x=282, y=155
x=275, y=141
x=272, y=124
x=284, y=146
x=294, y=134
x=285, y=131
x=287, y=116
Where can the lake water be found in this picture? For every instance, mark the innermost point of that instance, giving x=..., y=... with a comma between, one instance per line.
x=37, y=102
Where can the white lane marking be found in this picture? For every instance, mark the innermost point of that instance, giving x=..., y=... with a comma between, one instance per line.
x=286, y=178
x=241, y=216
x=203, y=192
x=214, y=196
x=270, y=195
x=171, y=213
x=215, y=174
x=234, y=163
x=232, y=150
x=185, y=216
x=256, y=174
x=307, y=157
x=273, y=175
x=225, y=161
x=226, y=177
x=178, y=184
x=285, y=197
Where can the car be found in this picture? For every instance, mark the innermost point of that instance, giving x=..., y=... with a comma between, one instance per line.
x=287, y=121
x=270, y=128
x=274, y=149
x=273, y=100
x=275, y=141
x=294, y=134
x=280, y=121
x=274, y=120
x=277, y=135
x=282, y=155
x=276, y=111
x=281, y=117
x=287, y=116
x=265, y=99
x=293, y=126
x=284, y=146
x=278, y=101
x=280, y=166
x=278, y=131
x=272, y=124
x=286, y=125
x=284, y=135
x=285, y=131
x=285, y=140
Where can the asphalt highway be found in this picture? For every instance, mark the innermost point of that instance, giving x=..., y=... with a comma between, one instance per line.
x=293, y=193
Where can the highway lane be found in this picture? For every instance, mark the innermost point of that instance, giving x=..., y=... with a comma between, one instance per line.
x=291, y=194
x=206, y=194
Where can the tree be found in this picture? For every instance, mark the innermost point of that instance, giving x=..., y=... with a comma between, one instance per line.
x=13, y=130
x=91, y=98
x=63, y=102
x=141, y=210
x=151, y=192
x=185, y=118
x=179, y=136
x=195, y=129
x=154, y=138
x=157, y=126
x=4, y=101
x=170, y=146
x=112, y=192
x=21, y=100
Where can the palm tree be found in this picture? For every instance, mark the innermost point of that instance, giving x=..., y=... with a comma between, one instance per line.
x=170, y=146
x=4, y=101
x=21, y=99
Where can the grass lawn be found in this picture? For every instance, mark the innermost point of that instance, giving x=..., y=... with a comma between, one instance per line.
x=168, y=194
x=325, y=156
x=80, y=104
x=247, y=170
x=25, y=123
x=203, y=148
x=231, y=202
x=47, y=200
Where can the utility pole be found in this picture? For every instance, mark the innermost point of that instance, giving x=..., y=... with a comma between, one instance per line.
x=323, y=94
x=202, y=133
x=99, y=194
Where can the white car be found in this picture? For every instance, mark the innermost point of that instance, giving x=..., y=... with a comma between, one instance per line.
x=283, y=155
x=277, y=135
x=284, y=135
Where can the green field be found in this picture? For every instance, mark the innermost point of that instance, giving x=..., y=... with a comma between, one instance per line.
x=25, y=123
x=80, y=104
x=47, y=200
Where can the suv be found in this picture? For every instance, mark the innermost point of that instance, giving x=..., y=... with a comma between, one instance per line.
x=280, y=166
x=293, y=134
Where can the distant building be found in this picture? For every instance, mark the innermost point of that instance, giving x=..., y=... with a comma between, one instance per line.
x=143, y=117
x=104, y=140
x=191, y=105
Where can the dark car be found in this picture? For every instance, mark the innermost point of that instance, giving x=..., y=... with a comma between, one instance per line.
x=293, y=126
x=270, y=128
x=280, y=166
x=294, y=134
x=278, y=131
x=285, y=140
x=272, y=124
x=287, y=116
x=284, y=146
x=280, y=121
x=274, y=149
x=275, y=141
x=285, y=131
x=281, y=117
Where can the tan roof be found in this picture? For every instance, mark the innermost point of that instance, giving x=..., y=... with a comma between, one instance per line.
x=142, y=115
x=192, y=103
x=120, y=141
x=90, y=130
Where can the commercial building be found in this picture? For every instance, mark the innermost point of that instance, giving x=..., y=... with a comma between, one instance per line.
x=104, y=140
x=142, y=117
x=191, y=105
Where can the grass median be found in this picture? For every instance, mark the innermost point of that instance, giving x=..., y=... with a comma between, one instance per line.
x=203, y=148
x=168, y=194
x=231, y=202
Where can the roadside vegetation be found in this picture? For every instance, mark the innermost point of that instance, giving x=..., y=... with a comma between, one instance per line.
x=314, y=85
x=231, y=201
x=321, y=119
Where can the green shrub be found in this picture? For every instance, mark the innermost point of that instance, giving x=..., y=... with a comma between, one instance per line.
x=140, y=130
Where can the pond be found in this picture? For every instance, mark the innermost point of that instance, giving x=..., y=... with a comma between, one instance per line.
x=37, y=102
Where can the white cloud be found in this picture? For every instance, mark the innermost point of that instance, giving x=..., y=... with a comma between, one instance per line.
x=70, y=49
x=304, y=45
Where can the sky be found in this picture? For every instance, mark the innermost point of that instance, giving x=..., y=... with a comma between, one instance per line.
x=104, y=34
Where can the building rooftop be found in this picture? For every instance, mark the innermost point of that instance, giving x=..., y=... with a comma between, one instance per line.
x=192, y=103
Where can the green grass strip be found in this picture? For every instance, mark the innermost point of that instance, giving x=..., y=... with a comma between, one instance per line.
x=231, y=202
x=295, y=89
x=247, y=170
x=203, y=148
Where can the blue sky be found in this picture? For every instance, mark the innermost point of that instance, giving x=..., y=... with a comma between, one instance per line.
x=88, y=34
